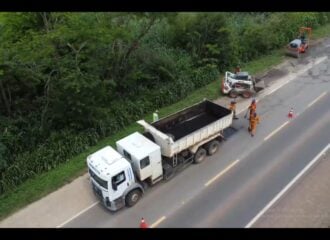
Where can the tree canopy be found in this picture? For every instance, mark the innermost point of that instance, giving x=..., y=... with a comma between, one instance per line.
x=68, y=80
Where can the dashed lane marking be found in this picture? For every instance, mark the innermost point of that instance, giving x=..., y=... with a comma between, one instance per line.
x=318, y=98
x=157, y=222
x=276, y=130
x=221, y=173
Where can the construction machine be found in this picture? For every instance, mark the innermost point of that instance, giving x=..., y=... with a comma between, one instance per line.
x=240, y=83
x=300, y=44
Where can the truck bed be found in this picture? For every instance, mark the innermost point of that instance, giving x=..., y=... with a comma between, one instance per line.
x=191, y=119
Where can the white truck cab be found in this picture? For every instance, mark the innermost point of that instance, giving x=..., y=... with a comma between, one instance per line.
x=117, y=177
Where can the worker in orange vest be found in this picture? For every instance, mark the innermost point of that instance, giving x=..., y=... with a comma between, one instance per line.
x=254, y=120
x=232, y=107
x=252, y=109
x=143, y=223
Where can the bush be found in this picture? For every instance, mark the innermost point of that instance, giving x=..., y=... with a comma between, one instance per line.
x=58, y=148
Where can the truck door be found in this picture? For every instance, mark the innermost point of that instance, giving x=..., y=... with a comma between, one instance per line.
x=145, y=168
x=119, y=183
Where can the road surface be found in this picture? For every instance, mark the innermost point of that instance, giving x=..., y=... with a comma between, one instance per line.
x=306, y=205
x=232, y=187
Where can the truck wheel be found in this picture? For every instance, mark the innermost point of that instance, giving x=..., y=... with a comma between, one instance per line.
x=133, y=197
x=212, y=147
x=233, y=94
x=246, y=94
x=200, y=155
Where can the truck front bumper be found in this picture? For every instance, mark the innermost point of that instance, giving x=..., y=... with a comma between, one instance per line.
x=110, y=205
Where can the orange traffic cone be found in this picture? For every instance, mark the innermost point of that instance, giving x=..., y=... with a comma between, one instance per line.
x=290, y=114
x=143, y=223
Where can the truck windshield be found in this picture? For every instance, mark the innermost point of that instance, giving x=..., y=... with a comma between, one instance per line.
x=97, y=179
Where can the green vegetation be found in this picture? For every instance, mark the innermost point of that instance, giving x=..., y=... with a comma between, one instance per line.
x=71, y=83
x=321, y=32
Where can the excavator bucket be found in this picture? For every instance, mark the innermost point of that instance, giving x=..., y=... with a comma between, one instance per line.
x=292, y=53
x=260, y=84
x=292, y=48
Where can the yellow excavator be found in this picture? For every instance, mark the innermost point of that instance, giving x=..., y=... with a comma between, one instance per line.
x=300, y=44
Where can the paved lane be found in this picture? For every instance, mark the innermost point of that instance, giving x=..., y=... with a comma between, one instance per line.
x=264, y=167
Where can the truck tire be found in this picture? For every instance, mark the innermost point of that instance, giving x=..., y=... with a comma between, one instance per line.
x=233, y=94
x=212, y=147
x=133, y=197
x=246, y=94
x=200, y=155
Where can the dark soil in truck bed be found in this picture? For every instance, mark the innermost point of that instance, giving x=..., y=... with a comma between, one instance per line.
x=191, y=119
x=184, y=128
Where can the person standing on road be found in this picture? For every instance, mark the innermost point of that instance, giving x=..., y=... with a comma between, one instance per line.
x=252, y=109
x=155, y=116
x=232, y=107
x=254, y=120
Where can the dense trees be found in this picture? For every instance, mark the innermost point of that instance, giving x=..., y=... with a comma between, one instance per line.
x=69, y=79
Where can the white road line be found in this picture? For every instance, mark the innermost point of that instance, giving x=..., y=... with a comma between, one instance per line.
x=81, y=212
x=158, y=222
x=276, y=130
x=222, y=172
x=287, y=187
x=318, y=98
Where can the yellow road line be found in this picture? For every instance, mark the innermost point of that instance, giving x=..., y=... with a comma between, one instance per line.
x=276, y=130
x=221, y=173
x=157, y=222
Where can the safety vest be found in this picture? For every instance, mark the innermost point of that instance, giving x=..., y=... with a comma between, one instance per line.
x=232, y=106
x=155, y=117
x=254, y=121
x=252, y=108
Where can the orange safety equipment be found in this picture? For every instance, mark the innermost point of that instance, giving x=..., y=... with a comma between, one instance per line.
x=254, y=120
x=290, y=114
x=232, y=106
x=252, y=108
x=143, y=223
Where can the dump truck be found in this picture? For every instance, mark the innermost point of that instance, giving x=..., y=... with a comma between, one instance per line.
x=119, y=177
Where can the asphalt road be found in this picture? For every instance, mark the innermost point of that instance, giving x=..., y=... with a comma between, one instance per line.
x=306, y=204
x=231, y=187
